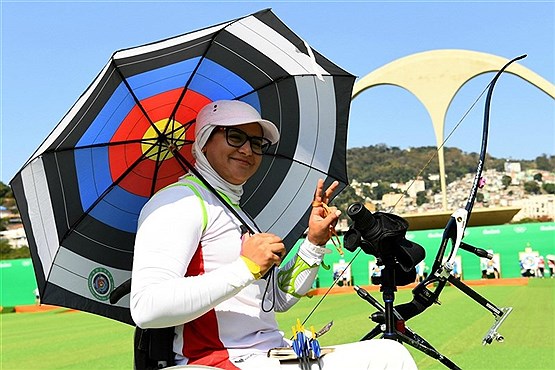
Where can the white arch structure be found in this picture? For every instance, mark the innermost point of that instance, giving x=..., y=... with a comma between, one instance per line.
x=434, y=77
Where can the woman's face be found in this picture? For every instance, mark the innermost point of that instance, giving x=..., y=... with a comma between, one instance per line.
x=235, y=165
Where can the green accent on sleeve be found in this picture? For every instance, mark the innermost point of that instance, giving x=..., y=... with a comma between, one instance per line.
x=287, y=278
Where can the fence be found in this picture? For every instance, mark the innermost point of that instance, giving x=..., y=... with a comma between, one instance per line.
x=17, y=282
x=508, y=243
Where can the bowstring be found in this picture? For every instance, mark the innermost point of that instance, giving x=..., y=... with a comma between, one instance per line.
x=330, y=288
x=434, y=154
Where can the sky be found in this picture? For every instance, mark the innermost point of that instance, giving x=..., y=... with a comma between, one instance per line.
x=52, y=50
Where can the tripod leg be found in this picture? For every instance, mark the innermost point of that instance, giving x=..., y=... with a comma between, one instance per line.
x=373, y=333
x=423, y=346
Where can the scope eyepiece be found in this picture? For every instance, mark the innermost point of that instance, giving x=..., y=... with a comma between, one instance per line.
x=363, y=218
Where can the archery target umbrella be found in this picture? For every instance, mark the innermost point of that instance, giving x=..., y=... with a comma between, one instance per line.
x=130, y=134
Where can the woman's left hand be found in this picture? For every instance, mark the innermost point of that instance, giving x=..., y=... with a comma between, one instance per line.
x=322, y=219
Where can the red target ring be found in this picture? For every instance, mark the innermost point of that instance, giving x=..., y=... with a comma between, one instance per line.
x=136, y=147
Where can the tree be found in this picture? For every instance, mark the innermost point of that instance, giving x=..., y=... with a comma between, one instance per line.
x=381, y=189
x=506, y=181
x=421, y=198
x=531, y=187
x=5, y=248
x=9, y=253
x=6, y=197
x=549, y=188
x=5, y=191
x=543, y=163
x=538, y=177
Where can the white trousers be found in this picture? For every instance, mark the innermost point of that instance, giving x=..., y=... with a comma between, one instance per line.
x=376, y=354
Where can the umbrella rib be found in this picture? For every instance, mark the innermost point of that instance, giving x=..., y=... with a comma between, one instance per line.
x=282, y=78
x=106, y=191
x=98, y=145
x=114, y=143
x=158, y=163
x=186, y=86
x=270, y=83
x=271, y=80
x=203, y=56
x=171, y=118
x=137, y=101
x=276, y=155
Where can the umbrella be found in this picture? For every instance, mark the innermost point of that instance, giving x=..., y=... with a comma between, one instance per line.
x=129, y=135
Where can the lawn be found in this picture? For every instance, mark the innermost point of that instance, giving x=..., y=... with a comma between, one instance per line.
x=65, y=339
x=456, y=327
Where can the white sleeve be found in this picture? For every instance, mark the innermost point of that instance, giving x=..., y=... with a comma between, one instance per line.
x=169, y=232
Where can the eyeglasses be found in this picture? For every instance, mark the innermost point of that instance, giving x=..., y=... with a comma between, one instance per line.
x=237, y=138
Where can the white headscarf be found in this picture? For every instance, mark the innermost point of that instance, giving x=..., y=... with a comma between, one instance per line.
x=232, y=191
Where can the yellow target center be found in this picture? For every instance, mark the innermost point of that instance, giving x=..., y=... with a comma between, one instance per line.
x=162, y=139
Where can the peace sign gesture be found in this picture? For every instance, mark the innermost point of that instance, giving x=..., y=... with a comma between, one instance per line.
x=322, y=219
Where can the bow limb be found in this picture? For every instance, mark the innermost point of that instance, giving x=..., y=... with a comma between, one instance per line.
x=456, y=225
x=459, y=220
x=423, y=296
x=485, y=130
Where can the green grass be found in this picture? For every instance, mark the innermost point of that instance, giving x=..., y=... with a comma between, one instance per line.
x=456, y=327
x=64, y=339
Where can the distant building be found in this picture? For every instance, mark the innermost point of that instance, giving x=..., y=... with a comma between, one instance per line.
x=415, y=187
x=512, y=167
x=536, y=206
x=396, y=200
x=513, y=170
x=3, y=212
x=15, y=237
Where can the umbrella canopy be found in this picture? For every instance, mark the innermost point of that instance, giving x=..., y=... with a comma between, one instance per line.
x=129, y=135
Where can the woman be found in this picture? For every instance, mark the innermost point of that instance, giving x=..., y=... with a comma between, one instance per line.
x=195, y=268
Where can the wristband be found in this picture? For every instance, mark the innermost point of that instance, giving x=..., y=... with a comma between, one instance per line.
x=253, y=267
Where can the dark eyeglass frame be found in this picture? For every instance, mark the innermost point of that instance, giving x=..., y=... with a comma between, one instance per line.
x=259, y=145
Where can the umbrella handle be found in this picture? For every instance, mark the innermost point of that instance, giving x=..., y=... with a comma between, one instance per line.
x=120, y=291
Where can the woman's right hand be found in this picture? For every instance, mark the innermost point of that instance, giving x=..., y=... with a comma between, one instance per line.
x=264, y=249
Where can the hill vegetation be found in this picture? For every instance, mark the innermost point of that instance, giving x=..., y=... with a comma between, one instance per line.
x=392, y=164
x=383, y=165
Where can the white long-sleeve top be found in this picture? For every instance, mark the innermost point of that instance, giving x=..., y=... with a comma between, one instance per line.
x=187, y=273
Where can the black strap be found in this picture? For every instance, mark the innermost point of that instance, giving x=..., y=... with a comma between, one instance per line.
x=153, y=348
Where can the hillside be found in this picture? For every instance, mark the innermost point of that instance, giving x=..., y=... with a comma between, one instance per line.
x=382, y=166
x=392, y=164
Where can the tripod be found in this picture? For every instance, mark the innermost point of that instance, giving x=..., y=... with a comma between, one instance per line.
x=388, y=289
x=383, y=236
x=392, y=325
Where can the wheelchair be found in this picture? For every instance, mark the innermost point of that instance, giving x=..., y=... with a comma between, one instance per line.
x=153, y=350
